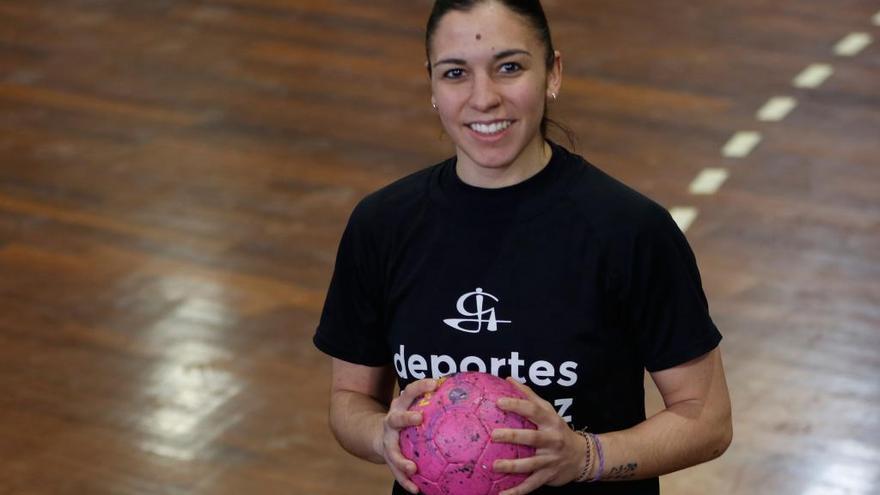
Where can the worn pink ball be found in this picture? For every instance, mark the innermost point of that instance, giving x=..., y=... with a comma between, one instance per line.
x=453, y=447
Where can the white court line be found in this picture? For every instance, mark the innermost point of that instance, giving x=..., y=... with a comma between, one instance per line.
x=852, y=44
x=709, y=181
x=684, y=216
x=813, y=76
x=776, y=109
x=741, y=144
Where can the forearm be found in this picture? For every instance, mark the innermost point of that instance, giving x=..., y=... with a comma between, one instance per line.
x=680, y=436
x=356, y=422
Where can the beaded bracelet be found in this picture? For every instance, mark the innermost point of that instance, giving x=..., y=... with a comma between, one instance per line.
x=601, y=456
x=589, y=461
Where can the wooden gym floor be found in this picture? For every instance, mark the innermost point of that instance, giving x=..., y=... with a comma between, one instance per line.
x=175, y=176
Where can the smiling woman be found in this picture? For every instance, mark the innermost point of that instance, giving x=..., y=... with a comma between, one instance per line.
x=552, y=266
x=491, y=76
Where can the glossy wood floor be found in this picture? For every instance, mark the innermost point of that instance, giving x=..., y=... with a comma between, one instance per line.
x=175, y=176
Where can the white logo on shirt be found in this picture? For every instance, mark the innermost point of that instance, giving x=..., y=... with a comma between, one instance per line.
x=480, y=313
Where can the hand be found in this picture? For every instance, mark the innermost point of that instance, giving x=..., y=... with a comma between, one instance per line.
x=387, y=444
x=560, y=452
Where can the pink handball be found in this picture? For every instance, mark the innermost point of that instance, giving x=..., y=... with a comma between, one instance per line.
x=453, y=447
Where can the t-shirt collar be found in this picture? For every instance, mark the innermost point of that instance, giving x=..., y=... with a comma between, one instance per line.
x=519, y=200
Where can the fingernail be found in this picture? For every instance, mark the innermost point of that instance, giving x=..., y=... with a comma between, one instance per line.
x=503, y=402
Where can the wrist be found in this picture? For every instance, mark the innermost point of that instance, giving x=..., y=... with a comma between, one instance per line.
x=378, y=439
x=593, y=460
x=585, y=457
x=598, y=458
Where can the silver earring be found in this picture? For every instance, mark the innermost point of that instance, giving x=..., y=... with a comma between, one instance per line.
x=554, y=96
x=434, y=106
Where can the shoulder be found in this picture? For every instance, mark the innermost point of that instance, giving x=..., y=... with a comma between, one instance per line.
x=397, y=199
x=611, y=206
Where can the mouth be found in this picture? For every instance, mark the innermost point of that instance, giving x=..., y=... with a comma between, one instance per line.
x=490, y=129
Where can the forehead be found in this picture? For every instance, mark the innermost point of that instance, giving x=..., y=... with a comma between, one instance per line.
x=487, y=28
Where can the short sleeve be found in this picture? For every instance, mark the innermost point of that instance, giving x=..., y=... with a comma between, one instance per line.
x=663, y=298
x=351, y=321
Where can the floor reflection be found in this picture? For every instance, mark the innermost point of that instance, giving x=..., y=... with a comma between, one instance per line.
x=189, y=389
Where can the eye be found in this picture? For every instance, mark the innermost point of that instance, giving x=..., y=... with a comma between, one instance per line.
x=453, y=74
x=510, y=67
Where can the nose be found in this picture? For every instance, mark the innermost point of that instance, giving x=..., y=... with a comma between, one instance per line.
x=484, y=94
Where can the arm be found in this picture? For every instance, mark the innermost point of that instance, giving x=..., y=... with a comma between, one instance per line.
x=695, y=427
x=366, y=421
x=359, y=400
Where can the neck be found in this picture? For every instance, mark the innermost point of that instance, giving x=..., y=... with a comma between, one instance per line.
x=531, y=160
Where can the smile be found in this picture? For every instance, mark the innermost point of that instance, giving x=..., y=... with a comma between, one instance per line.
x=491, y=128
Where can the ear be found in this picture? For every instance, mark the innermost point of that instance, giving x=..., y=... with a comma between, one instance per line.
x=554, y=76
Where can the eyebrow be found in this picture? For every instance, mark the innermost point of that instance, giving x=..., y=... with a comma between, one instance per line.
x=497, y=56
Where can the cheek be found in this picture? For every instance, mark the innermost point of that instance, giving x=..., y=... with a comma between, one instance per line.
x=449, y=105
x=531, y=99
x=448, y=120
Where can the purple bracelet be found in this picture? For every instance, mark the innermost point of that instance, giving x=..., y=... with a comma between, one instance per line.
x=601, y=456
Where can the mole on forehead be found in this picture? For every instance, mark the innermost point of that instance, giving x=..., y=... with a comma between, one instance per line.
x=479, y=36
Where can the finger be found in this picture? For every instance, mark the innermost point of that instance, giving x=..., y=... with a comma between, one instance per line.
x=522, y=407
x=415, y=390
x=401, y=463
x=399, y=420
x=403, y=479
x=531, y=484
x=532, y=438
x=521, y=466
x=524, y=388
x=395, y=458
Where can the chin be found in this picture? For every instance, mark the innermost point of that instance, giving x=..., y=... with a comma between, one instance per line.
x=491, y=158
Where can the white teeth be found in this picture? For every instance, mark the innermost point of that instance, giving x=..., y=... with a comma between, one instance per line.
x=493, y=128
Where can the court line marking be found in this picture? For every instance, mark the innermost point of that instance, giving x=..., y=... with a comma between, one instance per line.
x=852, y=44
x=709, y=181
x=813, y=76
x=741, y=144
x=776, y=109
x=684, y=216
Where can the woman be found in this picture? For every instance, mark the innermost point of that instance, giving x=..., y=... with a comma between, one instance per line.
x=521, y=259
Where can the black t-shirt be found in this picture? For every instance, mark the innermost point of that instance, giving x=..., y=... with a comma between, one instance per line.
x=570, y=281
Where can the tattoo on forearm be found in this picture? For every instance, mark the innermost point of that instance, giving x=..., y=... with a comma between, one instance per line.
x=622, y=472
